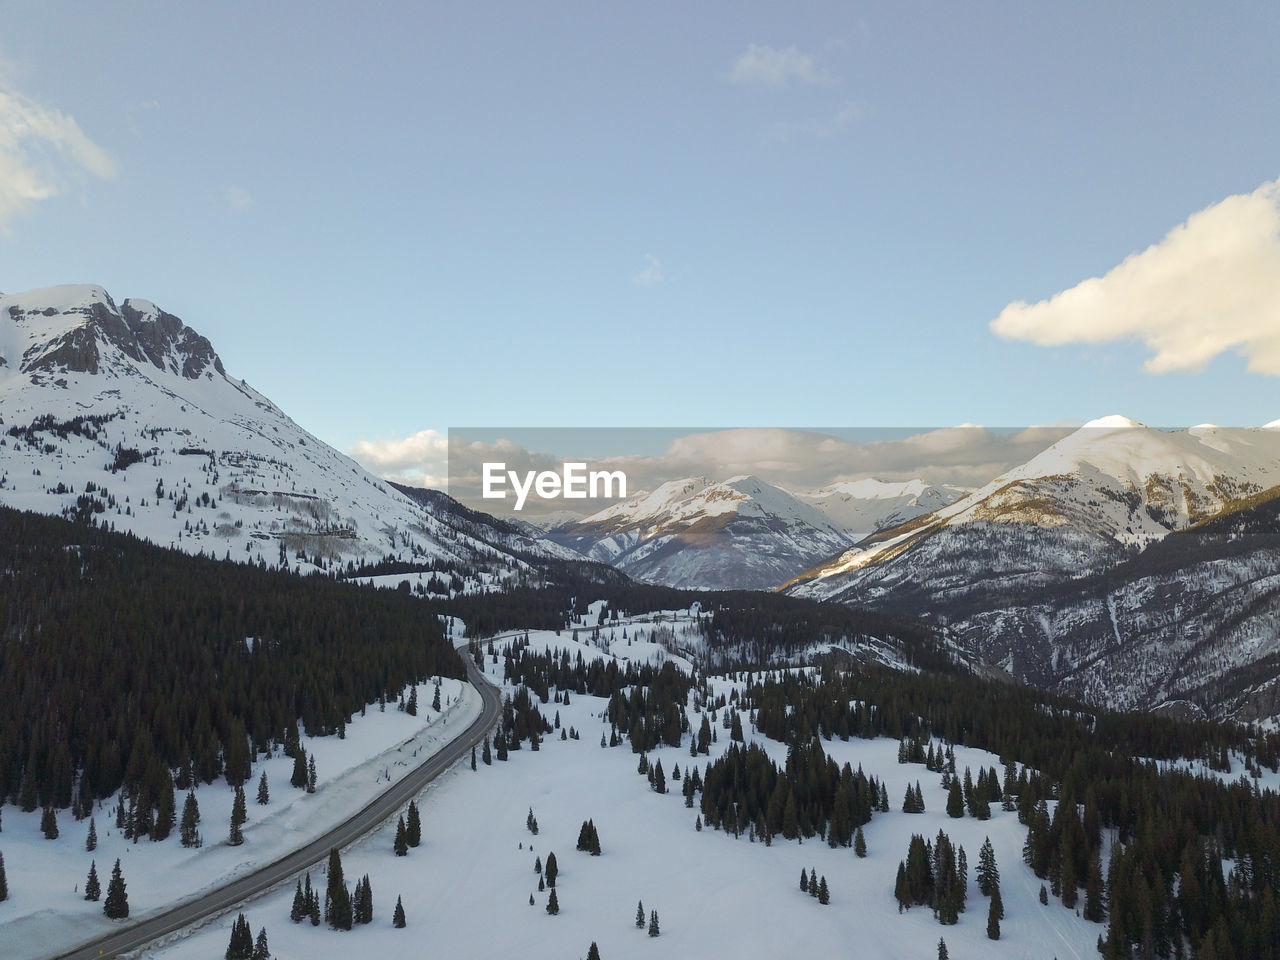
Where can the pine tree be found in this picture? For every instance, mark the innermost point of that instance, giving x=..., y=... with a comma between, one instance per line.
x=413, y=825
x=311, y=774
x=411, y=708
x=553, y=904
x=92, y=888
x=552, y=870
x=1094, y=908
x=859, y=843
x=401, y=843
x=362, y=908
x=988, y=874
x=241, y=945
x=640, y=915
x=593, y=952
x=260, y=949
x=264, y=795
x=299, y=908
x=804, y=881
x=993, y=916
x=116, y=906
x=824, y=895
x=473, y=756
x=435, y=700
x=49, y=824
x=190, y=821
x=238, y=818
x=91, y=841
x=653, y=924
x=337, y=898
x=955, y=800
x=942, y=949
x=486, y=754
x=397, y=916
x=299, y=778
x=1044, y=895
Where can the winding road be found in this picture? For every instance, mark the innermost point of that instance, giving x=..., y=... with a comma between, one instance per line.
x=137, y=935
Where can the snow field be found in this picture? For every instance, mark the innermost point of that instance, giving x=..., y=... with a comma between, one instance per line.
x=466, y=889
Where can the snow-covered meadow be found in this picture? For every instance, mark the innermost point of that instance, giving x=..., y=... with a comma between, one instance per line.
x=466, y=889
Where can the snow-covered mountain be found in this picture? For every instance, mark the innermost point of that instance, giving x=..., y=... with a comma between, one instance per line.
x=1075, y=570
x=123, y=413
x=741, y=533
x=1087, y=502
x=862, y=507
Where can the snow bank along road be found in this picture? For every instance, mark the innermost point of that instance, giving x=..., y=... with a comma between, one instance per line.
x=139, y=934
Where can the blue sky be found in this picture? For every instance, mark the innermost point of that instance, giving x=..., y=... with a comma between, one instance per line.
x=394, y=218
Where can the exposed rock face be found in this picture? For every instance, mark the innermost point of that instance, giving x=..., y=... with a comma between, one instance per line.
x=75, y=337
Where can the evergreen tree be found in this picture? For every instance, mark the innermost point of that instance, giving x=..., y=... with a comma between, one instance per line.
x=413, y=825
x=397, y=916
x=988, y=874
x=993, y=916
x=92, y=888
x=824, y=895
x=238, y=817
x=553, y=904
x=473, y=756
x=552, y=870
x=300, y=905
x=4, y=883
x=1044, y=895
x=260, y=949
x=435, y=700
x=311, y=773
x=653, y=924
x=362, y=908
x=593, y=952
x=1094, y=907
x=640, y=915
x=241, y=945
x=91, y=841
x=804, y=881
x=264, y=795
x=411, y=708
x=116, y=906
x=401, y=844
x=942, y=949
x=486, y=754
x=190, y=821
x=955, y=800
x=299, y=778
x=859, y=843
x=49, y=824
x=337, y=899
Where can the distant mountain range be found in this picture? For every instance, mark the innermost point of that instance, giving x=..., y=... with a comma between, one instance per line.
x=122, y=413
x=742, y=532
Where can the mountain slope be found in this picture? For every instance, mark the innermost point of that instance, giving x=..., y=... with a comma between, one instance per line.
x=742, y=533
x=1101, y=568
x=123, y=414
x=865, y=506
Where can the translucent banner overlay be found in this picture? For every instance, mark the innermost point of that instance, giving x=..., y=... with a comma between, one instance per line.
x=556, y=475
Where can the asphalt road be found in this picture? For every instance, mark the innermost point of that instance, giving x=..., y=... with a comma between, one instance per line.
x=136, y=935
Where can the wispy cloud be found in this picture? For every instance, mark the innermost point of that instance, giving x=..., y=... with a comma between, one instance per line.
x=651, y=274
x=776, y=67
x=41, y=148
x=238, y=197
x=1211, y=285
x=819, y=128
x=421, y=459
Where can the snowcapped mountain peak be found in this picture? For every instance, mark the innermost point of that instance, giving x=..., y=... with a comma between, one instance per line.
x=79, y=329
x=1113, y=422
x=121, y=413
